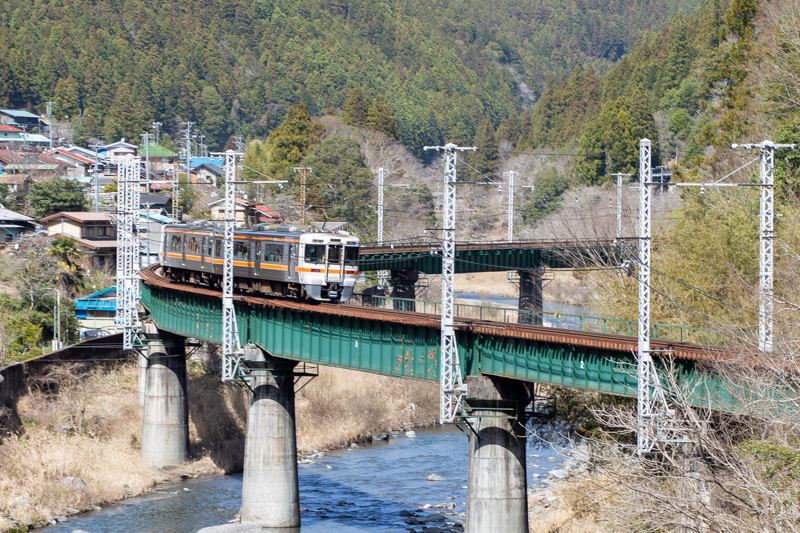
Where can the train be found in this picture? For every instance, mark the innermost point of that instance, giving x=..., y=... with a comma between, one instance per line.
x=283, y=260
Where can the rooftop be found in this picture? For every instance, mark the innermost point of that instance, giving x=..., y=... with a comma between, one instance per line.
x=155, y=150
x=81, y=216
x=18, y=113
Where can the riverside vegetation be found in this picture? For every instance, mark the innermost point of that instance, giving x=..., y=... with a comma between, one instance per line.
x=82, y=424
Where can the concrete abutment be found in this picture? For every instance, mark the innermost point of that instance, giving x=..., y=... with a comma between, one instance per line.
x=530, y=296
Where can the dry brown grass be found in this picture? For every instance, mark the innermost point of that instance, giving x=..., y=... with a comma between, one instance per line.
x=343, y=406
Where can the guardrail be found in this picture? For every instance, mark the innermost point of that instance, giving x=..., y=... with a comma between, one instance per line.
x=613, y=326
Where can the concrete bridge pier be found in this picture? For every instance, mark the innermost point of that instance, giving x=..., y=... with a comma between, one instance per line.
x=530, y=296
x=270, y=491
x=497, y=495
x=142, y=384
x=403, y=282
x=165, y=431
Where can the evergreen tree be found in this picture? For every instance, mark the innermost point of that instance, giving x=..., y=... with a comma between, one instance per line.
x=381, y=117
x=124, y=118
x=355, y=108
x=345, y=182
x=216, y=124
x=740, y=16
x=66, y=97
x=292, y=140
x=52, y=196
x=508, y=134
x=484, y=160
x=590, y=165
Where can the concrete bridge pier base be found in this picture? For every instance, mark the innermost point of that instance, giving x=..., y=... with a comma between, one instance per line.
x=497, y=491
x=270, y=491
x=530, y=296
x=142, y=384
x=165, y=431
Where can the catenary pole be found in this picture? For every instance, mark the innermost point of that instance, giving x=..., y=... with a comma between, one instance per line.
x=451, y=385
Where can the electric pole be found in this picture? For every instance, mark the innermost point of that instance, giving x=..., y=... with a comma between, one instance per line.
x=766, y=236
x=383, y=275
x=146, y=141
x=302, y=171
x=157, y=127
x=451, y=385
x=511, y=174
x=50, y=120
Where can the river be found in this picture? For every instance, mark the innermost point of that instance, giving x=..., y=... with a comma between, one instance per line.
x=346, y=491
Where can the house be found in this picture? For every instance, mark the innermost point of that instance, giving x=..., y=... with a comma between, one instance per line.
x=117, y=149
x=247, y=213
x=156, y=202
x=94, y=233
x=13, y=224
x=95, y=314
x=19, y=118
x=161, y=159
x=9, y=133
x=241, y=210
x=263, y=215
x=19, y=168
x=209, y=173
x=82, y=165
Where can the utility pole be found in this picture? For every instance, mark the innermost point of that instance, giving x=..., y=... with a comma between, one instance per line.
x=451, y=385
x=50, y=120
x=57, y=322
x=302, y=171
x=146, y=141
x=96, y=169
x=511, y=174
x=619, y=177
x=383, y=275
x=157, y=127
x=766, y=236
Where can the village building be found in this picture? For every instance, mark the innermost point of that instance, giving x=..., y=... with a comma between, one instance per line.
x=94, y=233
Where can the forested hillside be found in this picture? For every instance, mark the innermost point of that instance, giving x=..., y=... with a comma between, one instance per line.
x=237, y=65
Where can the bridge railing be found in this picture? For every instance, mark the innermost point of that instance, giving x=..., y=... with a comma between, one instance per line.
x=614, y=326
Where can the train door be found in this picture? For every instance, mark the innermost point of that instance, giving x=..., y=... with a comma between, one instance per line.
x=260, y=255
x=334, y=264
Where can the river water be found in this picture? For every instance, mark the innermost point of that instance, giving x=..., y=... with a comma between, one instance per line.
x=346, y=491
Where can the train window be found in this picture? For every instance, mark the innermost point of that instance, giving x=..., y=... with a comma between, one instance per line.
x=315, y=253
x=209, y=247
x=241, y=251
x=218, y=248
x=175, y=243
x=334, y=253
x=194, y=246
x=351, y=255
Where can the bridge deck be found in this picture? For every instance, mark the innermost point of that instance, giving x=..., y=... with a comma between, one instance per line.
x=489, y=256
x=405, y=344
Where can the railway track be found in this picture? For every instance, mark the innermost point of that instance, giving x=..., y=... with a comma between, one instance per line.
x=602, y=341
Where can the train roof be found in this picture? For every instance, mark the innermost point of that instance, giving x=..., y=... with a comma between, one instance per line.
x=282, y=230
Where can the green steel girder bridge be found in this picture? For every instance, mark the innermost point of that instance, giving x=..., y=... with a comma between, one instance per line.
x=489, y=256
x=406, y=344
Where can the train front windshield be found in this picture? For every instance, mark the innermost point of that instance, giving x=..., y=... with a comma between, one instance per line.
x=351, y=255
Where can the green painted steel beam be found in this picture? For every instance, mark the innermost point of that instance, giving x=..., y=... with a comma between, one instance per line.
x=403, y=350
x=492, y=259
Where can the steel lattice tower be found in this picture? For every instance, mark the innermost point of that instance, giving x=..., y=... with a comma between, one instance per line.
x=231, y=348
x=128, y=252
x=451, y=385
x=511, y=175
x=383, y=275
